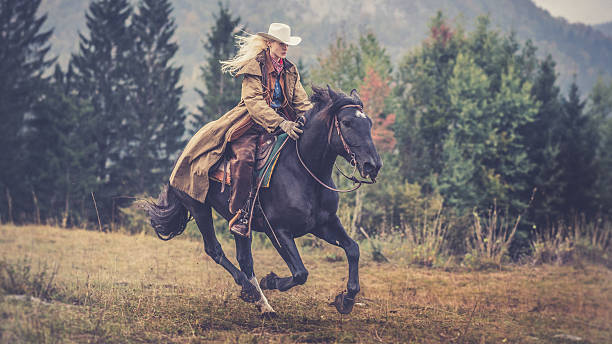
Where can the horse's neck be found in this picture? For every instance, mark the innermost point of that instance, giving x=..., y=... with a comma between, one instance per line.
x=314, y=148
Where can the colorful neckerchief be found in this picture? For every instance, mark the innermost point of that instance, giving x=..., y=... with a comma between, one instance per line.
x=278, y=65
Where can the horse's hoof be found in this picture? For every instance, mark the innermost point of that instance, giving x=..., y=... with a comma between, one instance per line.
x=269, y=315
x=249, y=293
x=344, y=304
x=268, y=282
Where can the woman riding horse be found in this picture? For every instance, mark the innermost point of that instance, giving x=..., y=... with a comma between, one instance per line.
x=272, y=98
x=301, y=197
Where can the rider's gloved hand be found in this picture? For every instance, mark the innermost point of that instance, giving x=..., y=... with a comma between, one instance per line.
x=291, y=128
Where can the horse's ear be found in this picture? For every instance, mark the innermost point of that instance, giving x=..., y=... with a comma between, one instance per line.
x=333, y=95
x=355, y=95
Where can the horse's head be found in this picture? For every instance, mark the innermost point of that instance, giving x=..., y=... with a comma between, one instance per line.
x=350, y=132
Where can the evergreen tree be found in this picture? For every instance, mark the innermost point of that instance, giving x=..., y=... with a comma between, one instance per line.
x=423, y=115
x=600, y=111
x=543, y=138
x=576, y=157
x=484, y=155
x=340, y=67
x=60, y=154
x=101, y=79
x=221, y=91
x=23, y=61
x=463, y=179
x=158, y=125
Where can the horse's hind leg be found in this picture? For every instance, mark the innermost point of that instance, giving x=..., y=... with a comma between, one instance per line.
x=245, y=260
x=203, y=216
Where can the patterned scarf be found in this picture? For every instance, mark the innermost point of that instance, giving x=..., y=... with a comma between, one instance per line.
x=278, y=65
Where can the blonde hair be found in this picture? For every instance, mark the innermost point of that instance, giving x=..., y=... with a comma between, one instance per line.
x=249, y=46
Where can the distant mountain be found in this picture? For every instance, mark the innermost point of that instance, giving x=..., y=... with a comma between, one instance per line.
x=400, y=26
x=606, y=28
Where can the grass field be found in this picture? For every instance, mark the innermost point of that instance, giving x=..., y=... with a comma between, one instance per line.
x=101, y=288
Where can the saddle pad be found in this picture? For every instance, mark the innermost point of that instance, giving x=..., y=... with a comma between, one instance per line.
x=263, y=171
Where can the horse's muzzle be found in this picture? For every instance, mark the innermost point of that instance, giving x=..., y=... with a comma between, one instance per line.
x=369, y=170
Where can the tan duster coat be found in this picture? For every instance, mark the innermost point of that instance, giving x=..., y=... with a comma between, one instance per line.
x=206, y=147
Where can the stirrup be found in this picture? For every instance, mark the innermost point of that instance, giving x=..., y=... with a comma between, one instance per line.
x=240, y=220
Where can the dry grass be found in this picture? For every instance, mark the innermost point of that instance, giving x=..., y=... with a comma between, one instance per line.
x=118, y=288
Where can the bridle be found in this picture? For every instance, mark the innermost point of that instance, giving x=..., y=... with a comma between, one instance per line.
x=347, y=149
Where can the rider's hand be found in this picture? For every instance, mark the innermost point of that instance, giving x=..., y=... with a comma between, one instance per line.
x=291, y=128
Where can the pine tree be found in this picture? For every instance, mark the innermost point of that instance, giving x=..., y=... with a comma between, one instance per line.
x=60, y=154
x=101, y=79
x=577, y=156
x=600, y=111
x=155, y=96
x=543, y=138
x=221, y=91
x=23, y=61
x=422, y=89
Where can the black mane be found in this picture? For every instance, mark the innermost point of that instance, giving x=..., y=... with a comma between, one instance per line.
x=321, y=99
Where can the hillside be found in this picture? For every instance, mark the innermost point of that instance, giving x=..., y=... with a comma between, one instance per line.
x=606, y=28
x=577, y=48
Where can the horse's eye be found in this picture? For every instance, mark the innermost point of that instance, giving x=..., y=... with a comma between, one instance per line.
x=346, y=124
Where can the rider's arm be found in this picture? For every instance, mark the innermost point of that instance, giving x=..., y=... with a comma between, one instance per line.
x=259, y=110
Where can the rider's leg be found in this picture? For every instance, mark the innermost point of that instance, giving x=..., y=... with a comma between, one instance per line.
x=241, y=168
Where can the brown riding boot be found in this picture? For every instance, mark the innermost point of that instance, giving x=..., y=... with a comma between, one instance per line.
x=239, y=225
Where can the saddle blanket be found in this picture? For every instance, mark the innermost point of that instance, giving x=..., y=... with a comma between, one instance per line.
x=266, y=156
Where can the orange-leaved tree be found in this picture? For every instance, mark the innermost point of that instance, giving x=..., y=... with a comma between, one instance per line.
x=375, y=90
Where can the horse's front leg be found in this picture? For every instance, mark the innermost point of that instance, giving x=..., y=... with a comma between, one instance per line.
x=244, y=257
x=335, y=234
x=290, y=254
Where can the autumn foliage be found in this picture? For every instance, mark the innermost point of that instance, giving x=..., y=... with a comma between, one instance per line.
x=374, y=91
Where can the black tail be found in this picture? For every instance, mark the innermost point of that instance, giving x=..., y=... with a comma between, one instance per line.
x=169, y=217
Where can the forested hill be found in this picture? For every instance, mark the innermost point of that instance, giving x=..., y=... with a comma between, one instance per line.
x=400, y=25
x=606, y=28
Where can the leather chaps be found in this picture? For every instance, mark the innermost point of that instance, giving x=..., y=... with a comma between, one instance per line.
x=242, y=164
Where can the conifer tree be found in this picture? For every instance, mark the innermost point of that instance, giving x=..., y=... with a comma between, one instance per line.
x=576, y=157
x=101, y=78
x=155, y=96
x=221, y=91
x=422, y=89
x=59, y=154
x=600, y=110
x=543, y=138
x=23, y=61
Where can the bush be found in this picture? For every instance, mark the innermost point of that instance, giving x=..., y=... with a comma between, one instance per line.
x=20, y=278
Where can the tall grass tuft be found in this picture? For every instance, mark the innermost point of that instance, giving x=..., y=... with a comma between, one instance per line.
x=561, y=243
x=426, y=237
x=20, y=278
x=489, y=239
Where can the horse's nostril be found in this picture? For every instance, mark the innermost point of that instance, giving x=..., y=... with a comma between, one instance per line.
x=368, y=167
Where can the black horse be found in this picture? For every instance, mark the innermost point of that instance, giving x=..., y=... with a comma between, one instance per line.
x=295, y=203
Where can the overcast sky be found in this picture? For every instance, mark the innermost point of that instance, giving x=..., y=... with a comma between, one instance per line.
x=583, y=11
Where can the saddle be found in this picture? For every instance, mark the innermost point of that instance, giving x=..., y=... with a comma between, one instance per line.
x=266, y=155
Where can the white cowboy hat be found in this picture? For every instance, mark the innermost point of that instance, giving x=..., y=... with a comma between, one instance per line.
x=282, y=33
